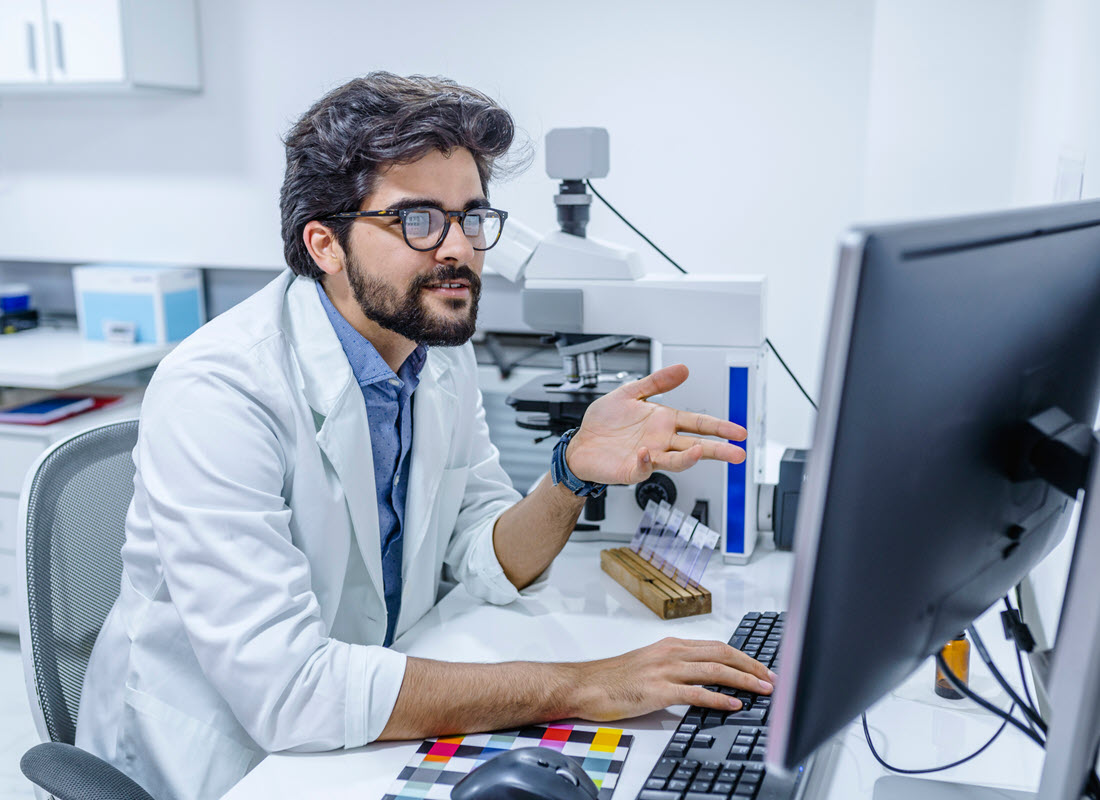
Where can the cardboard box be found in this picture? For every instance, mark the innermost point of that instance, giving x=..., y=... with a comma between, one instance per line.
x=155, y=305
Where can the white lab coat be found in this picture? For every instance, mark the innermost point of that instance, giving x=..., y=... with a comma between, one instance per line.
x=254, y=480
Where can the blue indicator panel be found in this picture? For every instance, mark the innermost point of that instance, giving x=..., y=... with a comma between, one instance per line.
x=736, y=474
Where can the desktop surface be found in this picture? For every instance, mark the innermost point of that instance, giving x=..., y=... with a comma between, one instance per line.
x=582, y=614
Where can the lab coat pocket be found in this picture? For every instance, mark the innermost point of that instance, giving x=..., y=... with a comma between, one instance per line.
x=193, y=760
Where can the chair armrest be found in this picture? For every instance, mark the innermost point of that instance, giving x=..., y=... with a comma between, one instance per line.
x=69, y=773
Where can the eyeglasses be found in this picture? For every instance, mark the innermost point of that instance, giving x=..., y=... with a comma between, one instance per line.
x=425, y=227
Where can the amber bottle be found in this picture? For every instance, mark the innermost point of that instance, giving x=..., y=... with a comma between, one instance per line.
x=957, y=655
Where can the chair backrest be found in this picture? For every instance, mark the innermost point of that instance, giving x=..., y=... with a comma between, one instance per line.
x=74, y=510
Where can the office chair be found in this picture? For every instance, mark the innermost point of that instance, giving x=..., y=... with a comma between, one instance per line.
x=72, y=518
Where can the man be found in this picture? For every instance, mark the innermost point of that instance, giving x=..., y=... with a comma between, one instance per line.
x=312, y=461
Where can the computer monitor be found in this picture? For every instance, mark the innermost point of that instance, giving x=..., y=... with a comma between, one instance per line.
x=921, y=505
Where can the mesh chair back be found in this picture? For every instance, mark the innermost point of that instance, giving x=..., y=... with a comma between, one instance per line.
x=76, y=515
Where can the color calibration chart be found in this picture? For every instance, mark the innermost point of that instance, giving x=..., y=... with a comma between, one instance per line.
x=441, y=763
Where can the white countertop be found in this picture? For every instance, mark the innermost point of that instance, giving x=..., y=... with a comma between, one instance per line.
x=53, y=358
x=583, y=614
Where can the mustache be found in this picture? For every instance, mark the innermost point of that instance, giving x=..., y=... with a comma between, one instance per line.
x=444, y=274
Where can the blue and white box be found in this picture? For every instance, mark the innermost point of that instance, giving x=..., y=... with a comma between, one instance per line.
x=140, y=304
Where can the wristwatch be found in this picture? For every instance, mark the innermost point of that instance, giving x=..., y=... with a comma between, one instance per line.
x=560, y=473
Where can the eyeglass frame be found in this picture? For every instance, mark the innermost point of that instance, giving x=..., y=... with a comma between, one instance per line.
x=447, y=217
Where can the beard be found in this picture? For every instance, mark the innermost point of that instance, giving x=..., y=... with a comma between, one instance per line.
x=408, y=315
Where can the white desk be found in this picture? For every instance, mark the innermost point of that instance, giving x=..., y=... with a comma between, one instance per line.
x=582, y=614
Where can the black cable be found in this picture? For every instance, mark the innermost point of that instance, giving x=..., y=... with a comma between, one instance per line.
x=793, y=378
x=673, y=263
x=1029, y=712
x=625, y=220
x=975, y=754
x=1020, y=661
x=962, y=688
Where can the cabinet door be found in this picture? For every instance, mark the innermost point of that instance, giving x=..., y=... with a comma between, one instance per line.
x=85, y=41
x=23, y=57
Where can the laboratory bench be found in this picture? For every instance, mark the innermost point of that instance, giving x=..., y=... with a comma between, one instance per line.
x=582, y=614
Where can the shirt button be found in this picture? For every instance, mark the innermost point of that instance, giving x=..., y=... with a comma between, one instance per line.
x=394, y=382
x=396, y=479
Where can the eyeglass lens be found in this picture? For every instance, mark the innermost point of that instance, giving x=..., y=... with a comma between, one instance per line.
x=424, y=227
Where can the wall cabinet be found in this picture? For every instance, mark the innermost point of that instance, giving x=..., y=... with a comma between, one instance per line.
x=55, y=45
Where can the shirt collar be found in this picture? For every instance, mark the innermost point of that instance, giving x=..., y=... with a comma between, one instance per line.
x=366, y=364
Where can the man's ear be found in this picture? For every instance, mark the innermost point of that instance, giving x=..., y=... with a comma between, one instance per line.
x=322, y=245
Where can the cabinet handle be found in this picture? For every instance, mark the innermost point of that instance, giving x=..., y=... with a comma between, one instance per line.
x=32, y=51
x=59, y=45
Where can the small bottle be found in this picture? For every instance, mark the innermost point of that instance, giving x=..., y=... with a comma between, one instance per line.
x=957, y=655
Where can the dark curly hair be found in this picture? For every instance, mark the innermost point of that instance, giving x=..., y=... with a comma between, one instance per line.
x=336, y=151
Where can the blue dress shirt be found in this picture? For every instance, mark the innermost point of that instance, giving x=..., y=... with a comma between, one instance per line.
x=388, y=397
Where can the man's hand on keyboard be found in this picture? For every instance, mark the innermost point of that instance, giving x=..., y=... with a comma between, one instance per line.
x=670, y=672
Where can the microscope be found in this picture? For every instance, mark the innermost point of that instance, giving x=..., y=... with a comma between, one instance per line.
x=592, y=297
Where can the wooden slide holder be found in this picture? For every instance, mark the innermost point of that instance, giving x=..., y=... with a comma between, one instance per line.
x=662, y=595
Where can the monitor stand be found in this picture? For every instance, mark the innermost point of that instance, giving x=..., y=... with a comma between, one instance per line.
x=1074, y=687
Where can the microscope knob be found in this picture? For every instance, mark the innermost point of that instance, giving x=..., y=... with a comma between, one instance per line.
x=656, y=487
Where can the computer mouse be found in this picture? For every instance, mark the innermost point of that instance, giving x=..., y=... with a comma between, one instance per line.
x=529, y=773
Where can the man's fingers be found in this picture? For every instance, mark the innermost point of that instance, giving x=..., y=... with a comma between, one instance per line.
x=706, y=425
x=663, y=380
x=678, y=461
x=709, y=672
x=722, y=653
x=705, y=698
x=713, y=449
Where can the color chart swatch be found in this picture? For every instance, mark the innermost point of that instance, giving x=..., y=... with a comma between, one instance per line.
x=441, y=763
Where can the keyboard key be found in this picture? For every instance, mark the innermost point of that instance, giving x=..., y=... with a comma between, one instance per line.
x=706, y=774
x=687, y=727
x=753, y=716
x=683, y=774
x=739, y=752
x=744, y=791
x=703, y=740
x=745, y=738
x=677, y=785
x=655, y=783
x=704, y=796
x=676, y=750
x=701, y=785
x=653, y=794
x=750, y=768
x=665, y=767
x=722, y=787
x=681, y=737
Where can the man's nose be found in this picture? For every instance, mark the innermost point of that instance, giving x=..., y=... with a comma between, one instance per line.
x=455, y=246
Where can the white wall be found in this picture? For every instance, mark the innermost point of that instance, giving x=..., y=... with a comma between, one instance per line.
x=949, y=86
x=754, y=111
x=788, y=120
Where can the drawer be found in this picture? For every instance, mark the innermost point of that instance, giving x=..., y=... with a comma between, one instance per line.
x=9, y=622
x=9, y=510
x=17, y=453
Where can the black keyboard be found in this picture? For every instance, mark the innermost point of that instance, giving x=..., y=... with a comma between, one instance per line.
x=719, y=755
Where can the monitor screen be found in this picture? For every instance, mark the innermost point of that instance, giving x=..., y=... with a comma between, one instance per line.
x=919, y=511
